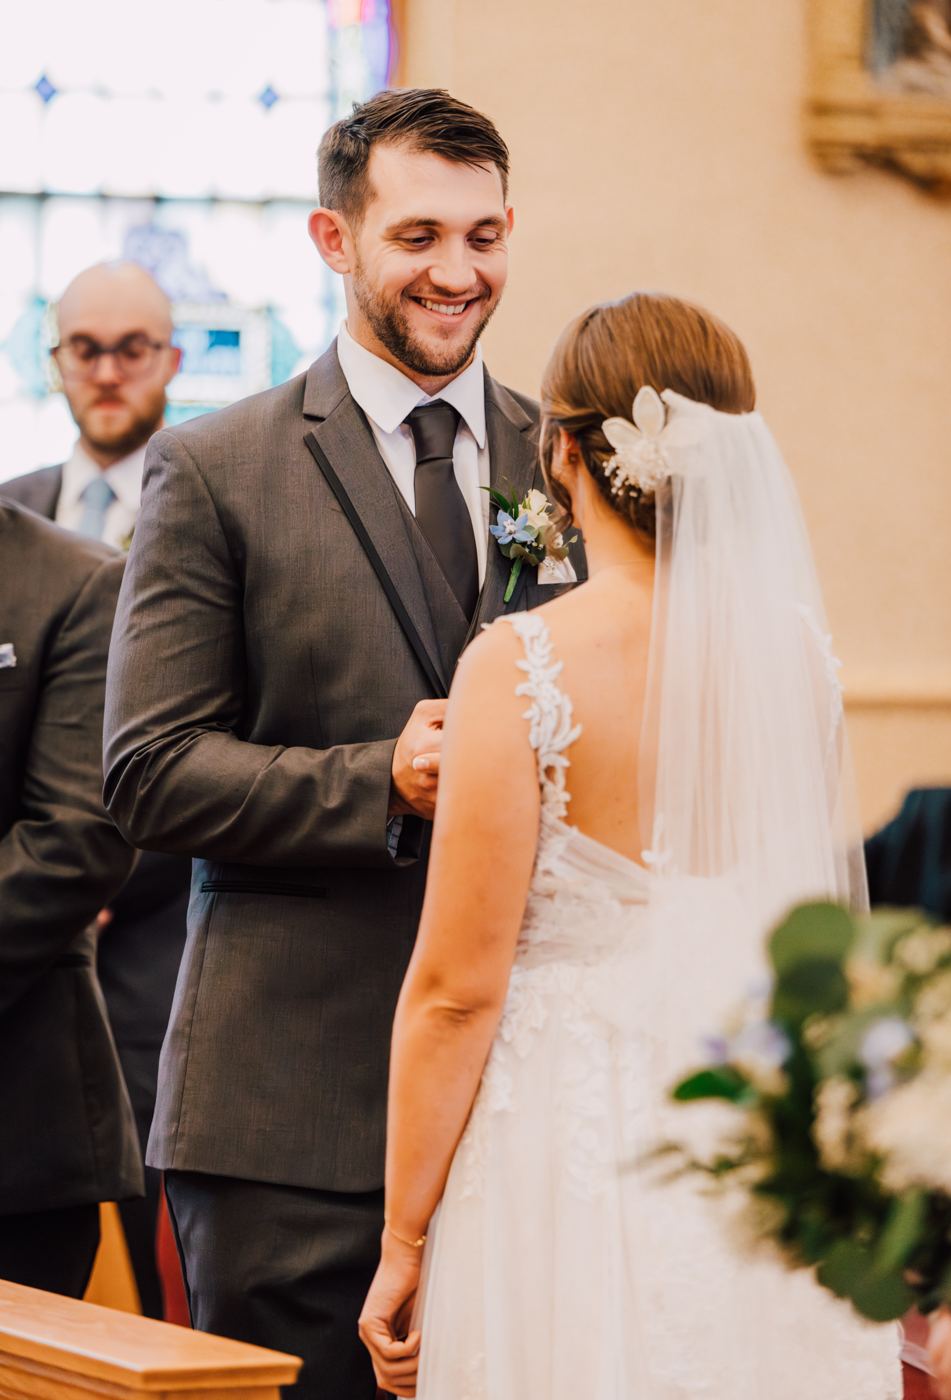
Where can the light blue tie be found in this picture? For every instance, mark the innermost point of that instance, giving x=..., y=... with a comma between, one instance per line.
x=97, y=498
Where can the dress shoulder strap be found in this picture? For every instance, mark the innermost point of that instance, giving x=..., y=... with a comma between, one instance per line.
x=550, y=713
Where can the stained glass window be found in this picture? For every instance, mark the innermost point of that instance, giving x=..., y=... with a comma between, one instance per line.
x=182, y=137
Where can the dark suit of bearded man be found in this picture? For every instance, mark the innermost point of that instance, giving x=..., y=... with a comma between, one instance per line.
x=137, y=960
x=113, y=361
x=306, y=569
x=67, y=1135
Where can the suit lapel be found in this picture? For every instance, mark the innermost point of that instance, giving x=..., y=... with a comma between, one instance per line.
x=513, y=455
x=39, y=491
x=449, y=621
x=344, y=436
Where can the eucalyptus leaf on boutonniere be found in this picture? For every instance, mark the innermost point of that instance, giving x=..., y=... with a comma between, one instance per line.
x=525, y=530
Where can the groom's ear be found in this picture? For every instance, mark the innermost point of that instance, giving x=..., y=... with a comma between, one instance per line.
x=332, y=238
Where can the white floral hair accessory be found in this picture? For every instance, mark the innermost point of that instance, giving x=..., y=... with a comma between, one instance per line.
x=641, y=461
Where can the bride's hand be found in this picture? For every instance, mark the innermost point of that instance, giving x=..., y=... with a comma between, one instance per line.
x=385, y=1318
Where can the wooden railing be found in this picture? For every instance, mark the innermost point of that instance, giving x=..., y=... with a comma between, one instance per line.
x=54, y=1348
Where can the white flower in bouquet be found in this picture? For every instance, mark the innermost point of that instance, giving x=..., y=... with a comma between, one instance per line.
x=835, y=1129
x=936, y=1042
x=754, y=1045
x=934, y=1000
x=880, y=1050
x=910, y=1128
x=760, y=1051
x=871, y=983
x=922, y=950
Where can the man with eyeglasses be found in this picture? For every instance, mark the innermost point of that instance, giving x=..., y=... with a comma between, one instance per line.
x=114, y=360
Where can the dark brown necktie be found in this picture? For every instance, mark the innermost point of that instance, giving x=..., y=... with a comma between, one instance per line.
x=441, y=510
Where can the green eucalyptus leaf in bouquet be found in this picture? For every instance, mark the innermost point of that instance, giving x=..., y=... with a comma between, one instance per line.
x=842, y=1103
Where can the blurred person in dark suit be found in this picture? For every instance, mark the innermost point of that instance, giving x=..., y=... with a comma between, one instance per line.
x=114, y=360
x=67, y=1132
x=909, y=865
x=909, y=860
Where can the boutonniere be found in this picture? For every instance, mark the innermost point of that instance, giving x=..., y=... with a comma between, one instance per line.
x=526, y=531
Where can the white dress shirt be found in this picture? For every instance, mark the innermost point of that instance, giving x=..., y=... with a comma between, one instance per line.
x=125, y=478
x=386, y=396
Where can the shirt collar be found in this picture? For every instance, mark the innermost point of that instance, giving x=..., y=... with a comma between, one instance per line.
x=386, y=395
x=124, y=476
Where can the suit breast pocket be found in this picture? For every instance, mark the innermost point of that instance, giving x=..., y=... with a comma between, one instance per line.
x=12, y=678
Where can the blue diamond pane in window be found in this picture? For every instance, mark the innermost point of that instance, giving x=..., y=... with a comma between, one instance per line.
x=45, y=88
x=268, y=97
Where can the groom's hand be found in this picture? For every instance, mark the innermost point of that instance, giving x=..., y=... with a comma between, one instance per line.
x=416, y=762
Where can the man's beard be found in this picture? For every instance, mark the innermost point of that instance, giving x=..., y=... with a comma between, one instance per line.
x=390, y=325
x=132, y=435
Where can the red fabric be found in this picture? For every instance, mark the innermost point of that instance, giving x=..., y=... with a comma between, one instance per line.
x=917, y=1386
x=170, y=1270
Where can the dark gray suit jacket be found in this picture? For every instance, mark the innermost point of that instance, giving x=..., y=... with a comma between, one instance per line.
x=139, y=951
x=67, y=1135
x=37, y=490
x=280, y=617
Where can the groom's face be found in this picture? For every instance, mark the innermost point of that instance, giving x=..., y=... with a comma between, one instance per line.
x=429, y=259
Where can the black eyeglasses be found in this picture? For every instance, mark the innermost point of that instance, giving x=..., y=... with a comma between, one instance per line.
x=134, y=355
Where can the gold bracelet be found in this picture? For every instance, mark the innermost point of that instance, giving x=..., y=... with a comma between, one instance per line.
x=413, y=1244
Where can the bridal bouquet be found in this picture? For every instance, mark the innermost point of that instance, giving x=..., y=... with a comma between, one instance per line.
x=842, y=1086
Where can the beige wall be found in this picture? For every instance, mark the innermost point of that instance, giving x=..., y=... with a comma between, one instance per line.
x=657, y=144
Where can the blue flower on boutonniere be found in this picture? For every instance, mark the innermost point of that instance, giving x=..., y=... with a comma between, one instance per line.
x=525, y=530
x=509, y=531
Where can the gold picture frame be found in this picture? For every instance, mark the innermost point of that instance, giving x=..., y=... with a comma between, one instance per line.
x=860, y=109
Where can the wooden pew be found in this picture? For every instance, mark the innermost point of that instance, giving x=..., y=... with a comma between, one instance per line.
x=54, y=1348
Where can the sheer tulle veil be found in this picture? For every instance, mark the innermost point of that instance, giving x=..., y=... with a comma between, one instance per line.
x=745, y=764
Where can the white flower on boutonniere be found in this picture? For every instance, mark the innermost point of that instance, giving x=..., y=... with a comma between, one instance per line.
x=525, y=530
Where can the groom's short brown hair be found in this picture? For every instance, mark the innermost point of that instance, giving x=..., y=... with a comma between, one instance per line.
x=422, y=119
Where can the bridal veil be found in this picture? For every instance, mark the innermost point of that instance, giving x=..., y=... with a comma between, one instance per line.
x=745, y=768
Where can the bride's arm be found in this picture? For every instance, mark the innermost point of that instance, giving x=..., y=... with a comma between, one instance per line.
x=483, y=850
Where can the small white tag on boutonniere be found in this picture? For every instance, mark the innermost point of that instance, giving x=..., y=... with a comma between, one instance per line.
x=8, y=656
x=526, y=531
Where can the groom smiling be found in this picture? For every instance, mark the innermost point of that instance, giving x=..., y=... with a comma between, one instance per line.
x=306, y=569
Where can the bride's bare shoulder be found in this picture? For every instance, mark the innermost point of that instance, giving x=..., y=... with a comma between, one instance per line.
x=490, y=659
x=598, y=609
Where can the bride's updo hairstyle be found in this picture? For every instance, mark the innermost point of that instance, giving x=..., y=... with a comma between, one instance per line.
x=611, y=351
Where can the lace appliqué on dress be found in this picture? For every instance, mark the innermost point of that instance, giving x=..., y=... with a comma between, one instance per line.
x=555, y=910
x=550, y=713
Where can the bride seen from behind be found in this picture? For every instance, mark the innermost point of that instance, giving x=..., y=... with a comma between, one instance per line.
x=634, y=779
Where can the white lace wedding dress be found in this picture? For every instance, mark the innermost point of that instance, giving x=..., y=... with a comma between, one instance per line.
x=557, y=1267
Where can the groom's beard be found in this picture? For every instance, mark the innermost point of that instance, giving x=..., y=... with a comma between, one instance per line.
x=390, y=325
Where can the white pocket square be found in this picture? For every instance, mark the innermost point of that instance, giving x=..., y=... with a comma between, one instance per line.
x=8, y=656
x=560, y=571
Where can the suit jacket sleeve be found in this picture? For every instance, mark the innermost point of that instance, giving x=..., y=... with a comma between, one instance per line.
x=63, y=859
x=179, y=776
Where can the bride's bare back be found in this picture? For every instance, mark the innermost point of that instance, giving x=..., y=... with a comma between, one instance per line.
x=600, y=633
